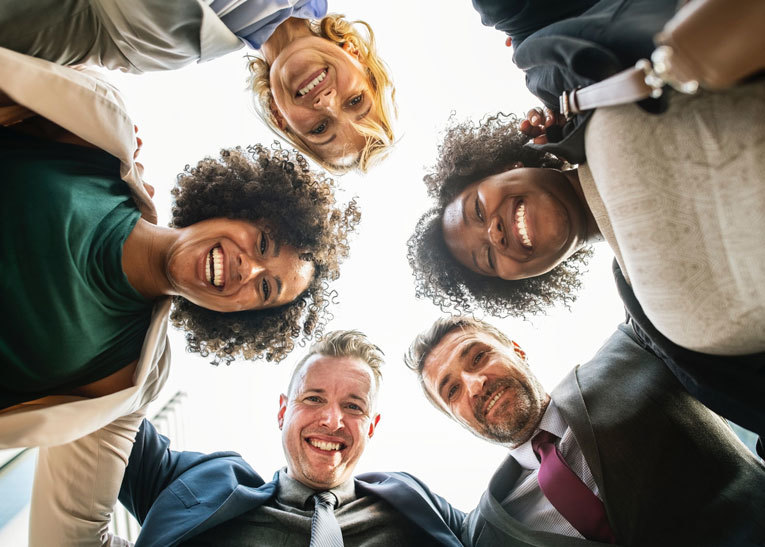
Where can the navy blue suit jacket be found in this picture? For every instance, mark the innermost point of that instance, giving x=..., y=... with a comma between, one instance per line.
x=178, y=495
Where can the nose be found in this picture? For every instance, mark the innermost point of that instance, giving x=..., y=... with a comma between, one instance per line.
x=497, y=235
x=248, y=268
x=331, y=417
x=326, y=100
x=474, y=384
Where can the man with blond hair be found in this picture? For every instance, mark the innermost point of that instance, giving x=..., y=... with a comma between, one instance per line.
x=618, y=453
x=327, y=416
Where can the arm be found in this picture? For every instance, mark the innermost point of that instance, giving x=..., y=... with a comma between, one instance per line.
x=76, y=486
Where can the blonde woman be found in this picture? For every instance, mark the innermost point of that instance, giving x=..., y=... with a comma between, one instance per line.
x=343, y=122
x=321, y=85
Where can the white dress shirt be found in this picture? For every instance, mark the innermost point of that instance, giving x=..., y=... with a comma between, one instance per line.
x=526, y=502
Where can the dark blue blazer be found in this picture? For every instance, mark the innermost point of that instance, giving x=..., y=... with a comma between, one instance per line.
x=178, y=495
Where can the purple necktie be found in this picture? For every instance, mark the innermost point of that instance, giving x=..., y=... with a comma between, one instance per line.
x=567, y=493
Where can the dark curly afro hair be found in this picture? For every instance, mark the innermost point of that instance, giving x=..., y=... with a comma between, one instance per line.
x=469, y=153
x=275, y=185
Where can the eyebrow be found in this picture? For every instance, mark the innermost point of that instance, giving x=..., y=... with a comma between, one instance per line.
x=278, y=285
x=358, y=119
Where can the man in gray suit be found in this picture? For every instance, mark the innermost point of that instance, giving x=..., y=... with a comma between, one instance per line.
x=618, y=453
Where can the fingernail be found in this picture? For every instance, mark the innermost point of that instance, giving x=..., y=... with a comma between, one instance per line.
x=534, y=119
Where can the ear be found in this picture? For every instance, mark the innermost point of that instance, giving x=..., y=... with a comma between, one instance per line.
x=518, y=351
x=282, y=410
x=350, y=49
x=373, y=425
x=277, y=116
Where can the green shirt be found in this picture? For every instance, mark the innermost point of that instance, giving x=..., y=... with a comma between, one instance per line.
x=69, y=315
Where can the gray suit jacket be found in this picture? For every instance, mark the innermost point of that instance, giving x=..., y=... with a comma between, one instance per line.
x=670, y=471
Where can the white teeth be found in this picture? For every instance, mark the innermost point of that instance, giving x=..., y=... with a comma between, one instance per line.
x=520, y=222
x=494, y=400
x=321, y=445
x=215, y=274
x=313, y=83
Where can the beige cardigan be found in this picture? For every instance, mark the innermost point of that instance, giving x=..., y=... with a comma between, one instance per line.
x=106, y=426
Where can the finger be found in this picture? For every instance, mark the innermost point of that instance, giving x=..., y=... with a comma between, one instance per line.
x=541, y=139
x=534, y=116
x=550, y=118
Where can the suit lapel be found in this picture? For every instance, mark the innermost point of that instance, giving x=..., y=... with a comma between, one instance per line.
x=200, y=519
x=412, y=505
x=490, y=508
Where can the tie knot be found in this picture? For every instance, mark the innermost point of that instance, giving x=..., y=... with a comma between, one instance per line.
x=325, y=498
x=542, y=438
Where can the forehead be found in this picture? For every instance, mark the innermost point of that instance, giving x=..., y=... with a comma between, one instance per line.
x=447, y=354
x=460, y=239
x=340, y=375
x=295, y=273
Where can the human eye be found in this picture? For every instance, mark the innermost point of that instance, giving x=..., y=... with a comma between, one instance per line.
x=355, y=408
x=313, y=399
x=478, y=212
x=319, y=129
x=266, y=289
x=263, y=243
x=478, y=356
x=357, y=100
x=451, y=392
x=490, y=258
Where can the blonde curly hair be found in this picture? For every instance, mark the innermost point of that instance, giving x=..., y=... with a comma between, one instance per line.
x=379, y=135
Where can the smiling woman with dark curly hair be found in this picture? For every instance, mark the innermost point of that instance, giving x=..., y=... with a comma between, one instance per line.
x=468, y=154
x=277, y=190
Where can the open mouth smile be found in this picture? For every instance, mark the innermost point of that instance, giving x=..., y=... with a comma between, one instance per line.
x=520, y=227
x=329, y=447
x=493, y=401
x=214, y=267
x=312, y=82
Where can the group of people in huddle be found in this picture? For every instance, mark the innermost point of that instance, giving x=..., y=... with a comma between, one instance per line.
x=631, y=448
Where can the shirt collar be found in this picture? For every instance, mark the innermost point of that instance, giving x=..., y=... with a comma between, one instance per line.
x=552, y=421
x=296, y=494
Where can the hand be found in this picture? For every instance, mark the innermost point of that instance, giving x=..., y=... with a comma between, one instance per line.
x=538, y=121
x=138, y=143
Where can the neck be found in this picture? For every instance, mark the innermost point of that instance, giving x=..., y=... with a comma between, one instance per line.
x=286, y=33
x=592, y=232
x=144, y=256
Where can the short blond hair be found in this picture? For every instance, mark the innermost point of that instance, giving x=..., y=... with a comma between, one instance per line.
x=344, y=343
x=379, y=136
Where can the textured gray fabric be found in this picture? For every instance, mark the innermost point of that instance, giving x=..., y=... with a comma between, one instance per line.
x=285, y=520
x=684, y=200
x=325, y=532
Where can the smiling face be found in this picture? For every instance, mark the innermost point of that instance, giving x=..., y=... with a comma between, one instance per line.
x=234, y=265
x=517, y=224
x=485, y=385
x=319, y=90
x=327, y=419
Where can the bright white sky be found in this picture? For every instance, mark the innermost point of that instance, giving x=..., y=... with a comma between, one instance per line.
x=443, y=60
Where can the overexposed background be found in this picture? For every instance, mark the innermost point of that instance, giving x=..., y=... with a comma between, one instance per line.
x=443, y=60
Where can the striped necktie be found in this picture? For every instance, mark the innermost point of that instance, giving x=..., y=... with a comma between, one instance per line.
x=567, y=493
x=325, y=531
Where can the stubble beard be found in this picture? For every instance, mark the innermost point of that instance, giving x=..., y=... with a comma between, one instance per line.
x=519, y=415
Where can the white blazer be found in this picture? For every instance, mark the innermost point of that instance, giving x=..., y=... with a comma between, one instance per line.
x=93, y=110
